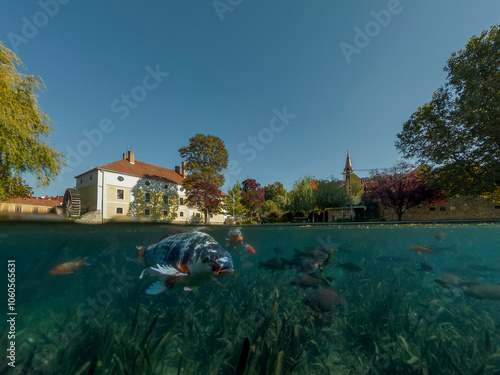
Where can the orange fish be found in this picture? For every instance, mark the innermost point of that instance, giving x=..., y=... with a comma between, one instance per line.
x=420, y=250
x=69, y=267
x=249, y=248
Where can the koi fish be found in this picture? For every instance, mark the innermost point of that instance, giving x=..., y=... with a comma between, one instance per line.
x=235, y=237
x=250, y=249
x=420, y=250
x=69, y=267
x=186, y=259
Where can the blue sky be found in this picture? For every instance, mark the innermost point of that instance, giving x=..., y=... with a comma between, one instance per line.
x=288, y=85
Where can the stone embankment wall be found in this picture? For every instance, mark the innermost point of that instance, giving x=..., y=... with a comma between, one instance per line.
x=458, y=208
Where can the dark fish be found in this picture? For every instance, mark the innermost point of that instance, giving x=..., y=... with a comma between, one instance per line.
x=325, y=300
x=349, y=266
x=301, y=265
x=315, y=253
x=426, y=266
x=450, y=281
x=490, y=292
x=272, y=264
x=310, y=281
x=394, y=259
x=186, y=259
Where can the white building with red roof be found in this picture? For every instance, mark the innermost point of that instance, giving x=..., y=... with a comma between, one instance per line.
x=129, y=187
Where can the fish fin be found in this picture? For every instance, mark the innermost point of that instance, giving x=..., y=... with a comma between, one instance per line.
x=142, y=272
x=156, y=288
x=187, y=289
x=142, y=250
x=167, y=270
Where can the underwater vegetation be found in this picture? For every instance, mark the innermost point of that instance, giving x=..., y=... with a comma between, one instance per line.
x=396, y=319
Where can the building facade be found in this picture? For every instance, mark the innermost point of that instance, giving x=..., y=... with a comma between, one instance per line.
x=132, y=188
x=32, y=205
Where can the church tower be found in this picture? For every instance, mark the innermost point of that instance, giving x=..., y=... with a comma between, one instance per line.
x=353, y=183
x=348, y=170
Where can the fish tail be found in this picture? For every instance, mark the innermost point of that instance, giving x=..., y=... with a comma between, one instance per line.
x=141, y=250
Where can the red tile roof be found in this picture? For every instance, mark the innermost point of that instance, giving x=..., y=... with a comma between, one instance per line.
x=47, y=201
x=146, y=170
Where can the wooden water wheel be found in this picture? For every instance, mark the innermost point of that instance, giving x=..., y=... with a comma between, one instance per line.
x=71, y=203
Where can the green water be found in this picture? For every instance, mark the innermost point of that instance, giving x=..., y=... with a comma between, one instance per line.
x=98, y=320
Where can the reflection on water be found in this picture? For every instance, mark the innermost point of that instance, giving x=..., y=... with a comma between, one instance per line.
x=371, y=306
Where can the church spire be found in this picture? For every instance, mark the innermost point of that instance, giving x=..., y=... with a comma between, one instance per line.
x=348, y=166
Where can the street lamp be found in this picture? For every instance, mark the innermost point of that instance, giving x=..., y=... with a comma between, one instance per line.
x=233, y=209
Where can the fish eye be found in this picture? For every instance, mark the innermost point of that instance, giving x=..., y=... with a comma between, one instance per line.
x=206, y=259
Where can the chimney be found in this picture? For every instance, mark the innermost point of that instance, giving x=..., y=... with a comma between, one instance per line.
x=125, y=156
x=178, y=169
x=184, y=171
x=131, y=157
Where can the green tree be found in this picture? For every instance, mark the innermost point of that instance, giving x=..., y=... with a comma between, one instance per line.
x=23, y=124
x=458, y=131
x=206, y=157
x=276, y=192
x=302, y=198
x=330, y=194
x=234, y=193
x=269, y=206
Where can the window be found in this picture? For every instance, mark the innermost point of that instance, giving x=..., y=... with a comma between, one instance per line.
x=19, y=208
x=165, y=213
x=166, y=186
x=432, y=208
x=211, y=216
x=165, y=199
x=81, y=180
x=148, y=183
x=442, y=208
x=5, y=208
x=198, y=215
x=120, y=178
x=181, y=214
x=35, y=210
x=119, y=210
x=181, y=189
x=147, y=197
x=90, y=177
x=147, y=212
x=181, y=201
x=120, y=194
x=497, y=207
